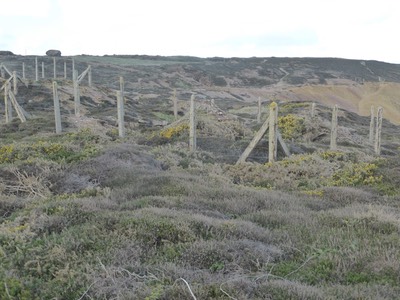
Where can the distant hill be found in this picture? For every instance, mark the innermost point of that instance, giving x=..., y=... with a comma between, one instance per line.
x=354, y=85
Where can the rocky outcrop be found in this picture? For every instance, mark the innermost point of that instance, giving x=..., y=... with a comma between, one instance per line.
x=53, y=53
x=4, y=53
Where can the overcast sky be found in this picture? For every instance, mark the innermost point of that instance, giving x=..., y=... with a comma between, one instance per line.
x=206, y=28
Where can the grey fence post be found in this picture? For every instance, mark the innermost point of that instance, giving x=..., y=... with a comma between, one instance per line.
x=313, y=110
x=57, y=114
x=7, y=103
x=372, y=126
x=378, y=135
x=15, y=82
x=259, y=110
x=273, y=128
x=77, y=99
x=54, y=68
x=121, y=112
x=90, y=76
x=36, y=70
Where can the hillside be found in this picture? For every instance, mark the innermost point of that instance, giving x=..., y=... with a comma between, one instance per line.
x=86, y=214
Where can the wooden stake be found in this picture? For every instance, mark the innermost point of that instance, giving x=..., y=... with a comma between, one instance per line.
x=273, y=137
x=372, y=126
x=23, y=71
x=77, y=98
x=36, y=70
x=175, y=103
x=15, y=82
x=254, y=142
x=121, y=84
x=65, y=70
x=2, y=72
x=73, y=68
x=313, y=110
x=120, y=109
x=90, y=76
x=7, y=103
x=54, y=68
x=334, y=128
x=283, y=144
x=43, y=69
x=17, y=107
x=57, y=114
x=192, y=125
x=378, y=134
x=259, y=111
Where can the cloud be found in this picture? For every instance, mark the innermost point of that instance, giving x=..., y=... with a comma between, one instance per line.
x=25, y=8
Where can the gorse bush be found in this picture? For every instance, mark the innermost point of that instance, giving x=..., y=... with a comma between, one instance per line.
x=70, y=148
x=291, y=126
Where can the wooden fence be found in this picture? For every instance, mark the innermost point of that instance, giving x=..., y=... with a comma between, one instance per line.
x=271, y=123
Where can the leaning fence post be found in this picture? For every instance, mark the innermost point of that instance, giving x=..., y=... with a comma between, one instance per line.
x=192, y=125
x=372, y=126
x=15, y=83
x=259, y=110
x=273, y=128
x=120, y=109
x=57, y=115
x=334, y=128
x=378, y=135
x=36, y=70
x=77, y=99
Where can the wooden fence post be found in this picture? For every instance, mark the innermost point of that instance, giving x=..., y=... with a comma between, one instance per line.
x=372, y=126
x=77, y=99
x=2, y=72
x=18, y=109
x=378, y=135
x=15, y=83
x=7, y=104
x=57, y=114
x=120, y=109
x=122, y=85
x=192, y=126
x=36, y=70
x=23, y=71
x=259, y=111
x=65, y=70
x=312, y=110
x=54, y=68
x=43, y=69
x=273, y=128
x=334, y=128
x=175, y=103
x=73, y=68
x=90, y=76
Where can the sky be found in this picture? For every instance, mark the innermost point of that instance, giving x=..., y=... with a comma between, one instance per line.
x=367, y=30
